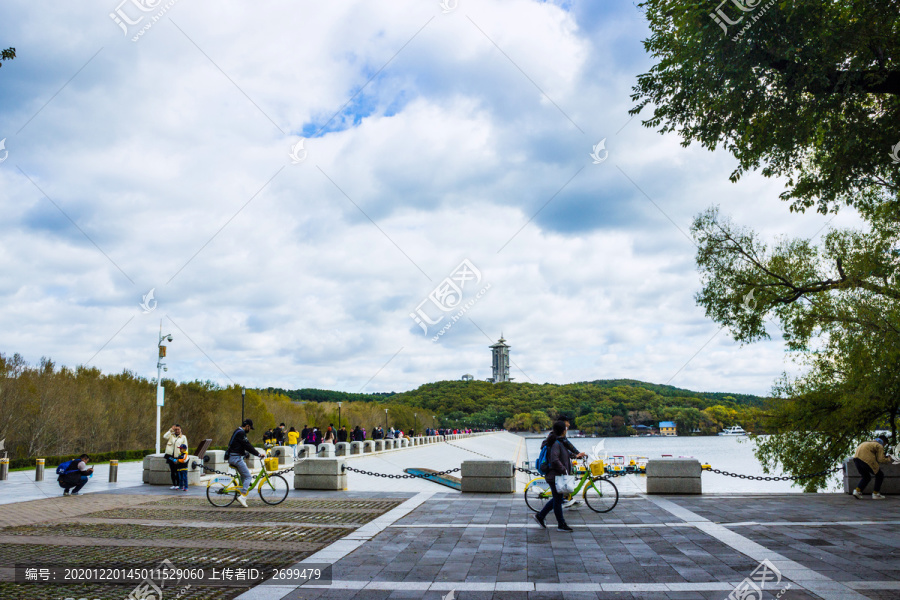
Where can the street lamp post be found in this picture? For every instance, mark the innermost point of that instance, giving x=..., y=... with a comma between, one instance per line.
x=243, y=397
x=415, y=422
x=385, y=420
x=160, y=390
x=339, y=414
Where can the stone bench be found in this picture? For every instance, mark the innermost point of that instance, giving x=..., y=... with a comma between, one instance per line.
x=890, y=485
x=326, y=450
x=488, y=476
x=320, y=474
x=674, y=476
x=368, y=447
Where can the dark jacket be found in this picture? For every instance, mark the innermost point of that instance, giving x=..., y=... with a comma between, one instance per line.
x=239, y=444
x=568, y=444
x=342, y=435
x=559, y=461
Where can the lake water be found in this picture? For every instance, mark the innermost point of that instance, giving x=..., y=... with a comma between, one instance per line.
x=733, y=454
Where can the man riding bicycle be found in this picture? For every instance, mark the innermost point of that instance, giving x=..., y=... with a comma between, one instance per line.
x=237, y=447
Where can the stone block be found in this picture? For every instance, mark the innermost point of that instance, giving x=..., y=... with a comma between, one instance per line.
x=326, y=450
x=356, y=447
x=342, y=449
x=404, y=442
x=320, y=466
x=284, y=454
x=379, y=445
x=487, y=468
x=673, y=467
x=306, y=451
x=890, y=485
x=489, y=485
x=674, y=485
x=320, y=482
x=368, y=446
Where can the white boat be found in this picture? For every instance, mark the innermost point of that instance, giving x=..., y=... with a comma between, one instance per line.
x=733, y=430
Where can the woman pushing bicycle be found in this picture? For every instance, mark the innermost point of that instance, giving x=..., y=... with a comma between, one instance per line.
x=559, y=463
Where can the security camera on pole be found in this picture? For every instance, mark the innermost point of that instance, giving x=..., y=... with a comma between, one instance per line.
x=160, y=390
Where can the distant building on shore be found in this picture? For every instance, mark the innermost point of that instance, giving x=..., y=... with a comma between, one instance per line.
x=667, y=428
x=500, y=361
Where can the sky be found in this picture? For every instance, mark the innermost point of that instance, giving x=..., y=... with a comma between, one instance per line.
x=359, y=196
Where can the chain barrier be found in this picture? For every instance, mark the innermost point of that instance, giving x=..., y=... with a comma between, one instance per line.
x=407, y=476
x=767, y=478
x=472, y=451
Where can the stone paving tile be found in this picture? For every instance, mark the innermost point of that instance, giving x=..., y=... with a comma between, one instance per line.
x=789, y=507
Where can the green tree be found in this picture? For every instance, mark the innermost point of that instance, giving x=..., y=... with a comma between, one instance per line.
x=7, y=54
x=809, y=91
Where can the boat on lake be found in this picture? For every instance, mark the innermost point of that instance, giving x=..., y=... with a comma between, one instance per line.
x=733, y=430
x=615, y=464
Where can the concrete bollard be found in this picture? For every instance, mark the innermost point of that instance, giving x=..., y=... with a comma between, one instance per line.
x=113, y=471
x=321, y=474
x=306, y=451
x=39, y=470
x=4, y=469
x=404, y=442
x=488, y=476
x=674, y=476
x=368, y=447
x=379, y=445
x=326, y=450
x=342, y=449
x=356, y=447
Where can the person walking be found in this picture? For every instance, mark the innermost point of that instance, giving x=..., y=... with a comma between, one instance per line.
x=279, y=435
x=293, y=438
x=239, y=445
x=342, y=434
x=573, y=501
x=73, y=475
x=174, y=440
x=559, y=463
x=868, y=460
x=357, y=434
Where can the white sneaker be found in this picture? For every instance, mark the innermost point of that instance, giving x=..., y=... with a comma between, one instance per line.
x=857, y=494
x=174, y=487
x=571, y=503
x=242, y=500
x=877, y=496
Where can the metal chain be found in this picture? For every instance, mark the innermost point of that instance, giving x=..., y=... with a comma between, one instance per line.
x=408, y=476
x=766, y=478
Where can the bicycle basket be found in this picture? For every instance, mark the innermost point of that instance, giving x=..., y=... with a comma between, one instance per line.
x=597, y=468
x=272, y=464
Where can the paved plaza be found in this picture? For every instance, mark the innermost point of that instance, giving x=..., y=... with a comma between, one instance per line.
x=390, y=538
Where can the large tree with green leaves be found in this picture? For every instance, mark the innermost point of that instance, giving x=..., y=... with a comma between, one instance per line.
x=807, y=91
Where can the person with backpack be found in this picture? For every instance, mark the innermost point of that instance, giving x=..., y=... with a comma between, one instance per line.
x=174, y=440
x=555, y=460
x=73, y=474
x=237, y=447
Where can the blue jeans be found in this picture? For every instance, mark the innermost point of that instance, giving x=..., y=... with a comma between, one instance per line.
x=238, y=463
x=554, y=503
x=182, y=478
x=77, y=487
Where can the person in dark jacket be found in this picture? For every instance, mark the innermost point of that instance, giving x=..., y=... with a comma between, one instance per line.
x=238, y=445
x=342, y=434
x=574, y=452
x=560, y=463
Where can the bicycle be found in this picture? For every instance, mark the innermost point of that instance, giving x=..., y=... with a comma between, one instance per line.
x=599, y=493
x=273, y=489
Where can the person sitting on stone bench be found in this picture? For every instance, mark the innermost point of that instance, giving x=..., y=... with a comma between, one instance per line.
x=868, y=458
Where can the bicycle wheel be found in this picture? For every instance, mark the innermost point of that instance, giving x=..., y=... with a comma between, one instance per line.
x=537, y=492
x=601, y=495
x=216, y=494
x=273, y=491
